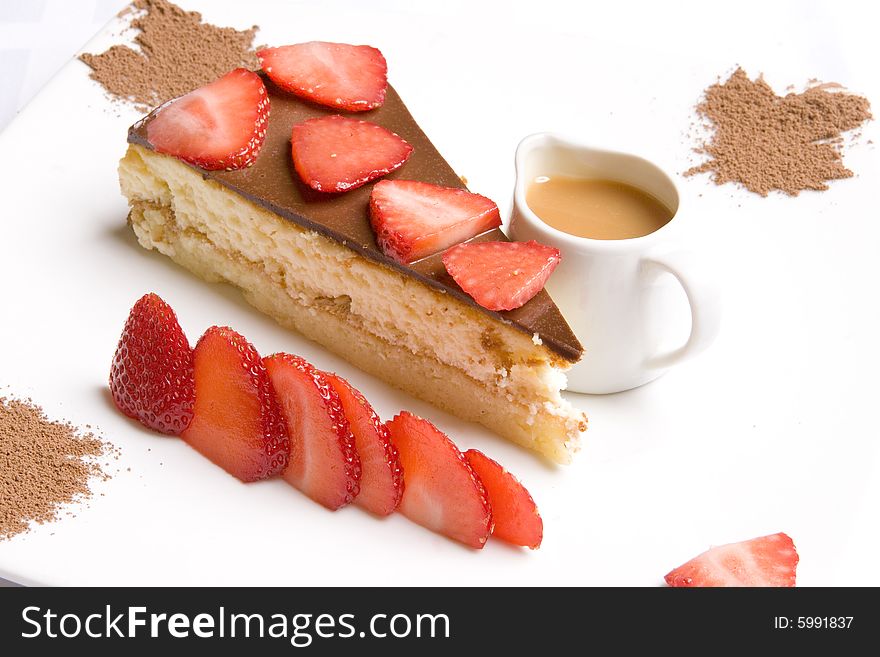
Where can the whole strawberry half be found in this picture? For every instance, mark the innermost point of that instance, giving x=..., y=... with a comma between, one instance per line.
x=516, y=516
x=338, y=154
x=219, y=126
x=442, y=492
x=151, y=378
x=764, y=561
x=413, y=219
x=324, y=462
x=339, y=75
x=237, y=422
x=381, y=471
x=501, y=275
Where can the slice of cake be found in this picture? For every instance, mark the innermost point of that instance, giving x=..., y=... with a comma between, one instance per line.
x=311, y=261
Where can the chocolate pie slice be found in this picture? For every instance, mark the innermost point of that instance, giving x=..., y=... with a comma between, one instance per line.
x=310, y=260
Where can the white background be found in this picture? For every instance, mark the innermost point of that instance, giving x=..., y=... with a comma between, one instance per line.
x=771, y=430
x=38, y=37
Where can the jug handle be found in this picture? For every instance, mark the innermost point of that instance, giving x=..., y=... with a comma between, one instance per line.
x=703, y=296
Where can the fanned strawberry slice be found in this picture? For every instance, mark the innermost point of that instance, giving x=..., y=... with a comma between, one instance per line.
x=413, y=220
x=338, y=154
x=501, y=275
x=381, y=472
x=340, y=75
x=237, y=422
x=219, y=126
x=151, y=378
x=514, y=511
x=324, y=462
x=765, y=561
x=442, y=492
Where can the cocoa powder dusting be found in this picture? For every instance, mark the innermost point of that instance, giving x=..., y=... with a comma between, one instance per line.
x=43, y=465
x=767, y=142
x=177, y=53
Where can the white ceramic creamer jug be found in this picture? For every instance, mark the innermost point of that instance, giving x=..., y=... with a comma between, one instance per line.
x=615, y=293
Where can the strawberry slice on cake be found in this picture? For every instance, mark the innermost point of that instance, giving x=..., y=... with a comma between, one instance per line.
x=501, y=275
x=219, y=126
x=338, y=154
x=338, y=75
x=413, y=219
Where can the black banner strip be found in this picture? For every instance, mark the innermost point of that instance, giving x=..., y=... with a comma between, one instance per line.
x=433, y=621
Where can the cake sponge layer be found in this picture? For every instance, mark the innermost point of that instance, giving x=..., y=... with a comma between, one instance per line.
x=399, y=329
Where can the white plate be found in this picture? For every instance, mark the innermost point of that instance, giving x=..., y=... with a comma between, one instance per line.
x=773, y=429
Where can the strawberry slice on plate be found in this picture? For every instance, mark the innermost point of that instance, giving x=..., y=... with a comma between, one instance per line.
x=442, y=492
x=339, y=75
x=381, y=472
x=324, y=461
x=501, y=275
x=516, y=516
x=151, y=378
x=338, y=154
x=765, y=561
x=237, y=422
x=219, y=126
x=413, y=220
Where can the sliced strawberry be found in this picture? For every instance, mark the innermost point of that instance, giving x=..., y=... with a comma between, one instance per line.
x=324, y=462
x=413, y=220
x=442, y=492
x=151, y=378
x=337, y=154
x=219, y=126
x=339, y=75
x=381, y=472
x=237, y=422
x=765, y=561
x=514, y=511
x=501, y=275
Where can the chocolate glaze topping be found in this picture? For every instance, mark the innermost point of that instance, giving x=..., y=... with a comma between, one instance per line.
x=273, y=184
